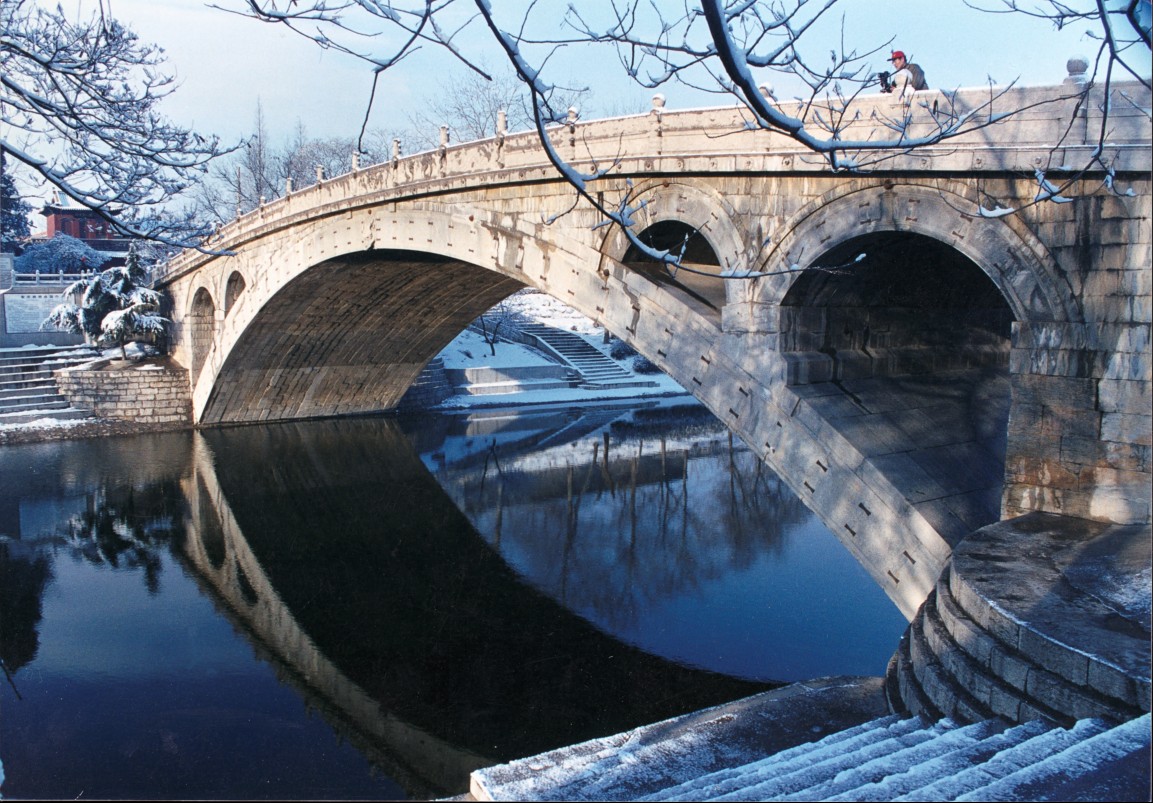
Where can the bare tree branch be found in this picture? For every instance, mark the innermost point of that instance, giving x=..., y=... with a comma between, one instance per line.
x=723, y=46
x=79, y=103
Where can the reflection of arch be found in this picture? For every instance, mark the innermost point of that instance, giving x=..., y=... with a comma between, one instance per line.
x=1015, y=261
x=251, y=604
x=496, y=643
x=232, y=291
x=669, y=210
x=201, y=328
x=209, y=528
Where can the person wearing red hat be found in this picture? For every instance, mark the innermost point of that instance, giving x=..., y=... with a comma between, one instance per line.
x=907, y=77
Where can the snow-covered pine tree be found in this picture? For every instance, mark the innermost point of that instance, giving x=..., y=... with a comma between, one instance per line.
x=115, y=307
x=14, y=211
x=61, y=254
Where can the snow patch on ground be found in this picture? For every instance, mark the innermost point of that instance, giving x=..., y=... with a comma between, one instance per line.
x=42, y=423
x=469, y=350
x=543, y=308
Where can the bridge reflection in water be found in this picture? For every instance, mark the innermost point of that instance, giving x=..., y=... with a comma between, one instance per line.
x=421, y=642
x=609, y=544
x=673, y=538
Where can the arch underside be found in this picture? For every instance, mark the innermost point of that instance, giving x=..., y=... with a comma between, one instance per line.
x=349, y=336
x=905, y=354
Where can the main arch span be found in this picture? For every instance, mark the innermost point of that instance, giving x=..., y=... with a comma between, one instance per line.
x=894, y=363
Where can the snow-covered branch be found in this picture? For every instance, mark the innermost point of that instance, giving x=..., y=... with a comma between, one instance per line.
x=728, y=47
x=79, y=103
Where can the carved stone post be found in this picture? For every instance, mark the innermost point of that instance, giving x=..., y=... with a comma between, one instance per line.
x=658, y=112
x=570, y=121
x=501, y=130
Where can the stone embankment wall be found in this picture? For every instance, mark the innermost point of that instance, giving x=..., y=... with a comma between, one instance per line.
x=151, y=393
x=430, y=388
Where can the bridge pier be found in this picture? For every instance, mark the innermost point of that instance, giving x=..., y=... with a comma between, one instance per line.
x=1079, y=431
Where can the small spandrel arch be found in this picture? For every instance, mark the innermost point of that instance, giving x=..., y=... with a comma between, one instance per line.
x=233, y=289
x=699, y=272
x=894, y=303
x=201, y=329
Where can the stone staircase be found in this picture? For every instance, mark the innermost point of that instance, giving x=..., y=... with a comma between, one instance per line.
x=27, y=385
x=1007, y=633
x=596, y=370
x=888, y=758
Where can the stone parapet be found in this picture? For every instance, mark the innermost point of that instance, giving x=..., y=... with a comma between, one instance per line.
x=720, y=140
x=151, y=393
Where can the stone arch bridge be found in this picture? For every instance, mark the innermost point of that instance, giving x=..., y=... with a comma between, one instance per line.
x=967, y=368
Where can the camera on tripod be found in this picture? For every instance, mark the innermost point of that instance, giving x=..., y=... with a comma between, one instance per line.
x=885, y=78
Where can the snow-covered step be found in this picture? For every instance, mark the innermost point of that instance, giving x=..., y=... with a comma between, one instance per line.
x=899, y=761
x=896, y=784
x=10, y=390
x=776, y=783
x=16, y=358
x=572, y=349
x=1018, y=756
x=31, y=395
x=25, y=403
x=27, y=416
x=515, y=386
x=732, y=778
x=33, y=374
x=884, y=759
x=1050, y=777
x=659, y=756
x=19, y=368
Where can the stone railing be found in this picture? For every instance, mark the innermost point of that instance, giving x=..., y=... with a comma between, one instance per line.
x=57, y=279
x=1016, y=129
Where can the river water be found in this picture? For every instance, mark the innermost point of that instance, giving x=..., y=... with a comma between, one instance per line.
x=372, y=607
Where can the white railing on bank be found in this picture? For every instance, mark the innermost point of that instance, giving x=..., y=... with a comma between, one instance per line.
x=57, y=279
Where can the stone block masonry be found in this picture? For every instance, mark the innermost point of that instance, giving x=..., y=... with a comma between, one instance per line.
x=1079, y=433
x=334, y=299
x=148, y=393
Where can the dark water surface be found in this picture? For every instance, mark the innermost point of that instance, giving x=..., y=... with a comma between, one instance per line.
x=373, y=607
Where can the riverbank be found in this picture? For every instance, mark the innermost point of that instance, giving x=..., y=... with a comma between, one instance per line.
x=469, y=351
x=47, y=429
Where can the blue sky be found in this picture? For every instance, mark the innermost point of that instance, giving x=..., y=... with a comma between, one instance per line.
x=227, y=63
